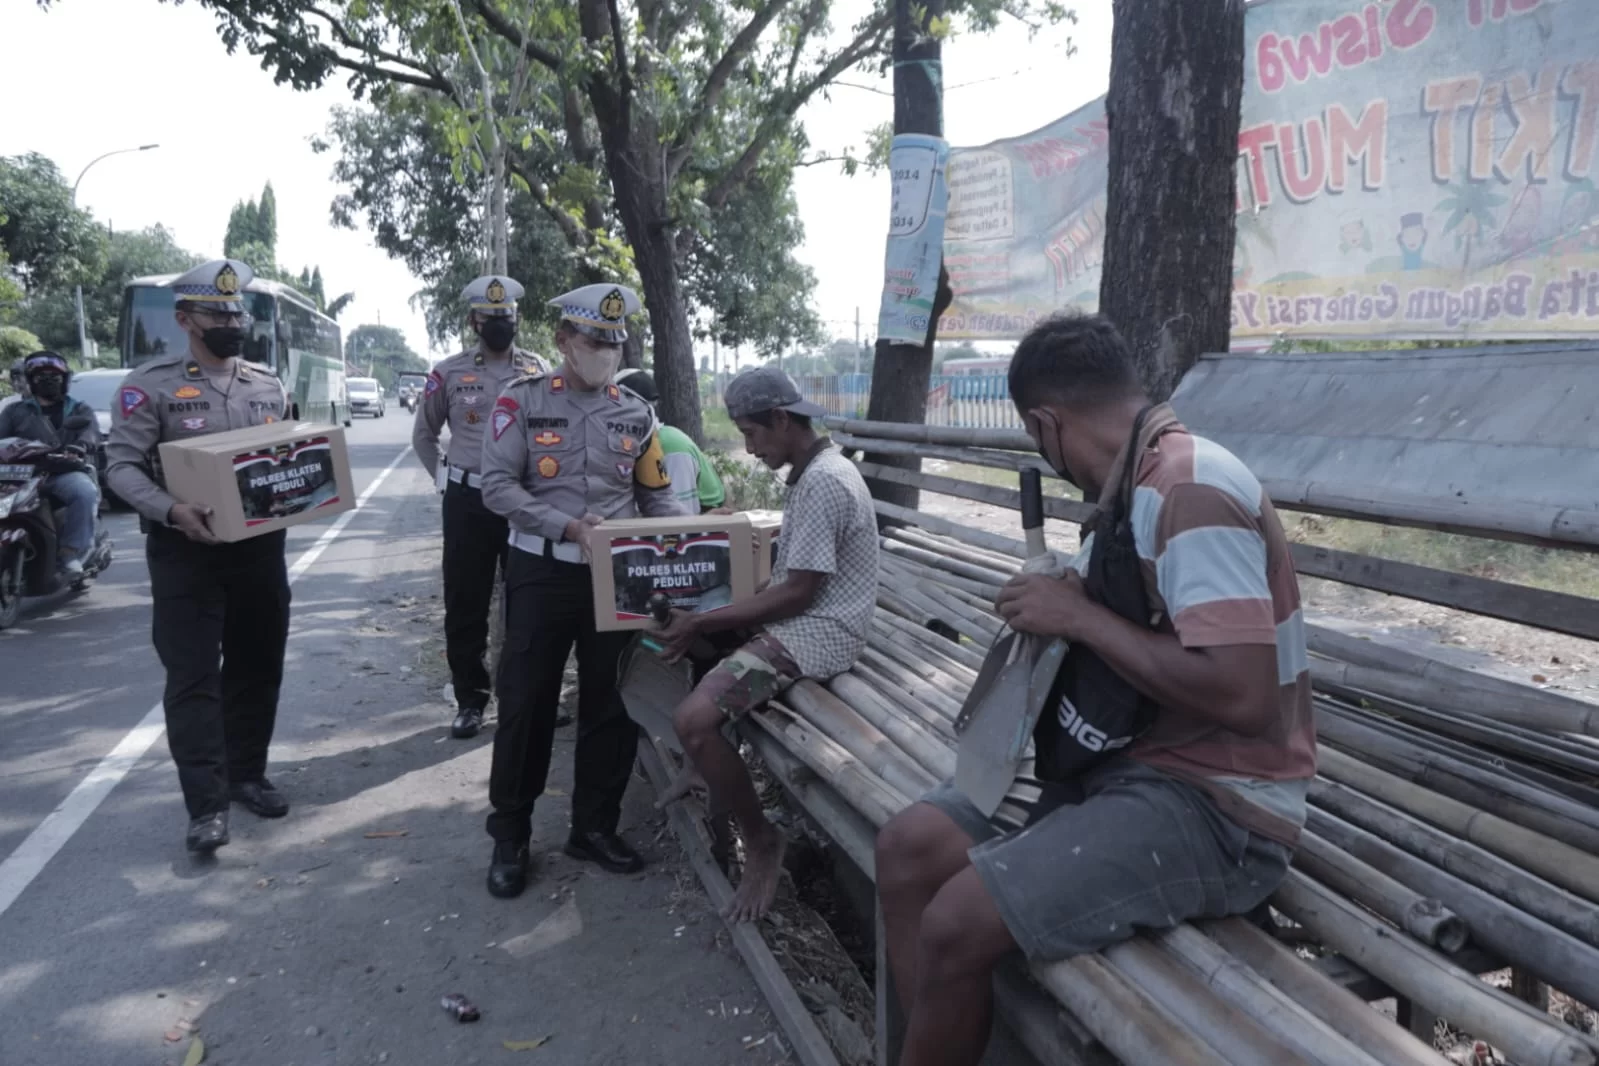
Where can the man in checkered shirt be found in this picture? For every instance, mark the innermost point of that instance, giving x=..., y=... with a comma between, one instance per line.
x=811, y=620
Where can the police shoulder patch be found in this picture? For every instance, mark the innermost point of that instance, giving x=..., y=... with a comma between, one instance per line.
x=131, y=398
x=434, y=383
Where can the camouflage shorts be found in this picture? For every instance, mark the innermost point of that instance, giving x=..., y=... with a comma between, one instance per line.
x=749, y=677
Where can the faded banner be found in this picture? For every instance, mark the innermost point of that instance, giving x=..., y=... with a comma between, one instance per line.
x=915, y=235
x=1407, y=169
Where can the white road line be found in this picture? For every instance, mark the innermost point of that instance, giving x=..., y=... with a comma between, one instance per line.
x=49, y=836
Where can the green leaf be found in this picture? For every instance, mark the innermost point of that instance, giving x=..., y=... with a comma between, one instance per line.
x=525, y=1045
x=196, y=1053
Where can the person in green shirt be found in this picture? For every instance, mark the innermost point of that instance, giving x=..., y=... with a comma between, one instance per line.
x=694, y=479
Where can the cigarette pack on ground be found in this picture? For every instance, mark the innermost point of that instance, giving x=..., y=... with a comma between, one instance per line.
x=701, y=562
x=766, y=525
x=263, y=478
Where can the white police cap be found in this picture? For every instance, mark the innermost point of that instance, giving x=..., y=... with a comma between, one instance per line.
x=599, y=311
x=214, y=286
x=493, y=295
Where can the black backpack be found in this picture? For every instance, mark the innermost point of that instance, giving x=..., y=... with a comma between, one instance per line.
x=1092, y=711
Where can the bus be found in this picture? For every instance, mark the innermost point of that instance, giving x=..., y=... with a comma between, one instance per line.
x=289, y=336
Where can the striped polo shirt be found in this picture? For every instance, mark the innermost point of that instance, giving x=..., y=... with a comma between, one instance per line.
x=1218, y=572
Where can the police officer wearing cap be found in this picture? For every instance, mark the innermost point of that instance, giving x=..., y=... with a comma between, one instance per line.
x=220, y=618
x=566, y=451
x=459, y=392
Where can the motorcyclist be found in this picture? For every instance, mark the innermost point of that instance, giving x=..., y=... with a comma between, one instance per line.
x=49, y=415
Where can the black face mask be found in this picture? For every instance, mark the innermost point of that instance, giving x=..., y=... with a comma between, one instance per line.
x=224, y=342
x=498, y=334
x=48, y=388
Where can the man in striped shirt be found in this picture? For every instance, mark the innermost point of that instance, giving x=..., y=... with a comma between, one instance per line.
x=1195, y=818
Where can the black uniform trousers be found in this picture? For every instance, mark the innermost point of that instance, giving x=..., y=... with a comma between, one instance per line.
x=474, y=543
x=549, y=606
x=220, y=625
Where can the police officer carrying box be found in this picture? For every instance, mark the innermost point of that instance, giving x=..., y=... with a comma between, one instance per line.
x=566, y=451
x=221, y=611
x=459, y=392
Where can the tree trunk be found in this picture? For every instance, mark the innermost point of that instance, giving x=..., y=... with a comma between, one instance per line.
x=1176, y=80
x=902, y=372
x=499, y=216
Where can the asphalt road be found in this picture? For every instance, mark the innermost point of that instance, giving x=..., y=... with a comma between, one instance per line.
x=327, y=937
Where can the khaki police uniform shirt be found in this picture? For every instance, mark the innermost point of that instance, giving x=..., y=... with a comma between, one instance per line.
x=460, y=391
x=174, y=398
x=555, y=453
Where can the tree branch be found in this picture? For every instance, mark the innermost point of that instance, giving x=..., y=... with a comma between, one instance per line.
x=429, y=79
x=349, y=41
x=508, y=30
x=624, y=77
x=871, y=39
x=716, y=83
x=575, y=234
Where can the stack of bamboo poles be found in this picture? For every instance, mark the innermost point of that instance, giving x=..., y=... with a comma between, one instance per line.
x=1446, y=814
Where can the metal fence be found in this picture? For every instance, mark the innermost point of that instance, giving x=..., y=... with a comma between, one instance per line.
x=974, y=401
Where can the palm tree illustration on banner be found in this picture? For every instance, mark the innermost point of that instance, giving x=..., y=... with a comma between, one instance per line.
x=1472, y=214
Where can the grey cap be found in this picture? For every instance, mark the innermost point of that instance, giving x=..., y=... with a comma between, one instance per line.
x=766, y=388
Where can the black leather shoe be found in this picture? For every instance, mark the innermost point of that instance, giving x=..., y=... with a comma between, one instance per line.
x=562, y=720
x=207, y=833
x=607, y=850
x=260, y=798
x=508, y=870
x=468, y=720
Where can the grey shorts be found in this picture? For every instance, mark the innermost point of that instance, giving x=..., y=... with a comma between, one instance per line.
x=1131, y=848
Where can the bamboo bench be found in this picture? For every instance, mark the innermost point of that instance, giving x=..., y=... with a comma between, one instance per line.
x=1455, y=826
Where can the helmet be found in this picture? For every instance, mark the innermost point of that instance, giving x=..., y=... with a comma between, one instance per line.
x=46, y=361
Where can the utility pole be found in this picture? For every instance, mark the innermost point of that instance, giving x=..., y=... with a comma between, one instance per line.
x=901, y=373
x=83, y=333
x=855, y=385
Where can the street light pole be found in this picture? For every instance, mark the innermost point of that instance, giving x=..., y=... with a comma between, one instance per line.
x=83, y=336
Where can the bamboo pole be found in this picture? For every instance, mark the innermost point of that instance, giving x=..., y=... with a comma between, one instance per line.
x=866, y=792
x=914, y=686
x=939, y=561
x=1137, y=1029
x=1216, y=1021
x=1566, y=866
x=860, y=738
x=935, y=669
x=1513, y=935
x=929, y=750
x=1013, y=440
x=924, y=639
x=985, y=457
x=1536, y=809
x=1453, y=686
x=1426, y=978
x=1423, y=918
x=1377, y=715
x=1346, y=1013
x=1469, y=862
x=963, y=552
x=965, y=534
x=1237, y=983
x=962, y=489
x=887, y=689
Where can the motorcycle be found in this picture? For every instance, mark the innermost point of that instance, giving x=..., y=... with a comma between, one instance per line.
x=28, y=524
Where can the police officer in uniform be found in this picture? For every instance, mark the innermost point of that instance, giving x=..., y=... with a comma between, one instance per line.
x=221, y=611
x=565, y=451
x=459, y=392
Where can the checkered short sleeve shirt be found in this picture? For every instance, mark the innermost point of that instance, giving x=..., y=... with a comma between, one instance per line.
x=829, y=527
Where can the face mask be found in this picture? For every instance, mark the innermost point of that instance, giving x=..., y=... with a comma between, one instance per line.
x=595, y=366
x=49, y=388
x=498, y=334
x=224, y=342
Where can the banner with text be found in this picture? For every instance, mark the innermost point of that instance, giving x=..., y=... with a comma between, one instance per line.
x=1407, y=169
x=915, y=236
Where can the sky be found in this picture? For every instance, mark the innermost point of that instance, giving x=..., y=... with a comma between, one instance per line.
x=92, y=76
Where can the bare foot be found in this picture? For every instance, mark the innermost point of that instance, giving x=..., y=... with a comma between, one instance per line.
x=687, y=780
x=757, y=887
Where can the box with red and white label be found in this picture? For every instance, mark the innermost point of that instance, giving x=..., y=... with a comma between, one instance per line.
x=262, y=478
x=700, y=563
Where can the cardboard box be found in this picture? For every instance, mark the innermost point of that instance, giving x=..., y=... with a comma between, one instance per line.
x=263, y=478
x=766, y=526
x=701, y=562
